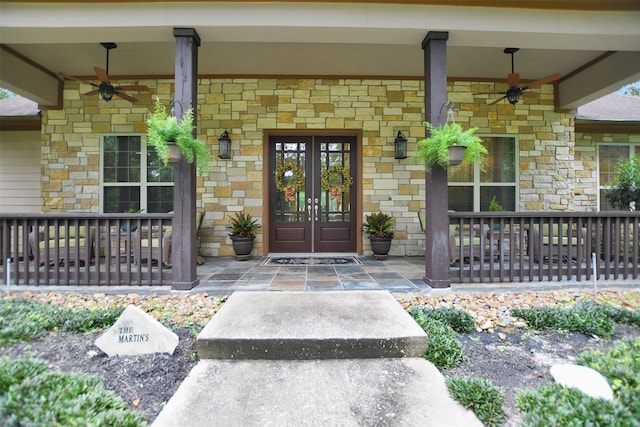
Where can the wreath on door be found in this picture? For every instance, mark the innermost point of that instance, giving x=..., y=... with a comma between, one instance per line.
x=288, y=187
x=336, y=190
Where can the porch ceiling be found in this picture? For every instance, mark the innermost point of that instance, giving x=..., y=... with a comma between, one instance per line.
x=40, y=41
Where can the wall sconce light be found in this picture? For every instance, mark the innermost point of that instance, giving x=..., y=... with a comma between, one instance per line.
x=401, y=146
x=224, y=151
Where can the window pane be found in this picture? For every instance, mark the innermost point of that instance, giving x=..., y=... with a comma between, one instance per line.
x=461, y=199
x=119, y=199
x=156, y=170
x=461, y=173
x=121, y=159
x=500, y=165
x=505, y=196
x=159, y=199
x=608, y=157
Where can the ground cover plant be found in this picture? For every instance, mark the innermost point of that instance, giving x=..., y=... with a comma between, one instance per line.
x=23, y=319
x=550, y=404
x=31, y=395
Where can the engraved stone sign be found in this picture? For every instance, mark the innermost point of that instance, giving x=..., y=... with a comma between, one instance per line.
x=135, y=333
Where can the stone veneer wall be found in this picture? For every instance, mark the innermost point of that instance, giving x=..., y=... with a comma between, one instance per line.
x=245, y=107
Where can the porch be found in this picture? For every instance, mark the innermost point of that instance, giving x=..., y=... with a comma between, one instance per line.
x=507, y=247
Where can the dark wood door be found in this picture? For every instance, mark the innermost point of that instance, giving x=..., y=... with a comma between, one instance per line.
x=312, y=197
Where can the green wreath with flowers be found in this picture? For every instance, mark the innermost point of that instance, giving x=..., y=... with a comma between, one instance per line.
x=290, y=189
x=347, y=181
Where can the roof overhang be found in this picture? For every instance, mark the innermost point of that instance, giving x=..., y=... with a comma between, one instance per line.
x=596, y=50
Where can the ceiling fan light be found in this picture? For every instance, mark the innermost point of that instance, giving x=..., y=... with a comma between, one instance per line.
x=106, y=91
x=513, y=96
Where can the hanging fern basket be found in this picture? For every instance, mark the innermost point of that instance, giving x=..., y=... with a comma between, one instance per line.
x=456, y=154
x=174, y=152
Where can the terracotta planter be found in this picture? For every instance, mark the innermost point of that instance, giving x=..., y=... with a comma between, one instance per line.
x=380, y=247
x=456, y=154
x=243, y=247
x=174, y=152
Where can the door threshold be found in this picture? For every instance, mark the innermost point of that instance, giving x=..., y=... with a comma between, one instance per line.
x=311, y=254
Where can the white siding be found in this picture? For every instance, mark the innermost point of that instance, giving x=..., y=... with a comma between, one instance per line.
x=20, y=172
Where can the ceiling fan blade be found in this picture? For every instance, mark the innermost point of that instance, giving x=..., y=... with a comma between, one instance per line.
x=133, y=87
x=497, y=100
x=530, y=94
x=125, y=96
x=513, y=79
x=544, y=80
x=489, y=93
x=101, y=74
x=93, y=92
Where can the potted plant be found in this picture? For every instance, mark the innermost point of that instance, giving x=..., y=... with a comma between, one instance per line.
x=380, y=231
x=164, y=133
x=243, y=231
x=436, y=149
x=131, y=211
x=494, y=206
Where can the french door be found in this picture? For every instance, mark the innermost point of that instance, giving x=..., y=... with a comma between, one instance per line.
x=312, y=193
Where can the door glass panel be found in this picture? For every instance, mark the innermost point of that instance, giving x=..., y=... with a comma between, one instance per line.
x=290, y=182
x=335, y=193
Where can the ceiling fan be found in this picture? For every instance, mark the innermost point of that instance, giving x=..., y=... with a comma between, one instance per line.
x=105, y=88
x=514, y=92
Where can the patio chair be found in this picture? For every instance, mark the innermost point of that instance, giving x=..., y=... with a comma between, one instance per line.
x=69, y=244
x=151, y=240
x=471, y=242
x=557, y=243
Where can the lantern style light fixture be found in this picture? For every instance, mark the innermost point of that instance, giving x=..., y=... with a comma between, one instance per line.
x=224, y=151
x=401, y=146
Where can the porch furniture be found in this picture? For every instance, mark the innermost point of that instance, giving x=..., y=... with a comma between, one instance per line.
x=500, y=240
x=120, y=242
x=557, y=242
x=62, y=244
x=147, y=246
x=472, y=241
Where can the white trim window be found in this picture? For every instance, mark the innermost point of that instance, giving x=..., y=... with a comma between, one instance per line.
x=128, y=182
x=471, y=187
x=609, y=155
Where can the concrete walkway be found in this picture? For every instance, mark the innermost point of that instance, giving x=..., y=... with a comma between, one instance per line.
x=313, y=359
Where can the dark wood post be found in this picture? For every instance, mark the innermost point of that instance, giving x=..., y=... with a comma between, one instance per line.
x=183, y=238
x=436, y=233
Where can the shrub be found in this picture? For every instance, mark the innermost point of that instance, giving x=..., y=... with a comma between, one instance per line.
x=587, y=317
x=459, y=320
x=444, y=350
x=621, y=367
x=556, y=405
x=23, y=319
x=37, y=397
x=480, y=396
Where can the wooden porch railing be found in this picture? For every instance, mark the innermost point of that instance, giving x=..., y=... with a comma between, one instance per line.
x=544, y=246
x=127, y=249
x=84, y=249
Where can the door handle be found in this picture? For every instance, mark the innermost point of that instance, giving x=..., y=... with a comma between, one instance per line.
x=309, y=207
x=316, y=208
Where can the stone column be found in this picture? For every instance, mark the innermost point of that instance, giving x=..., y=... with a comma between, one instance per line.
x=437, y=227
x=183, y=238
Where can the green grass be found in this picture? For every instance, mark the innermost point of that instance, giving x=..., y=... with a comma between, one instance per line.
x=23, y=319
x=480, y=396
x=30, y=395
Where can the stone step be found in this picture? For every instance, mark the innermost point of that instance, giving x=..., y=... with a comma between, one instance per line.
x=406, y=391
x=311, y=325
